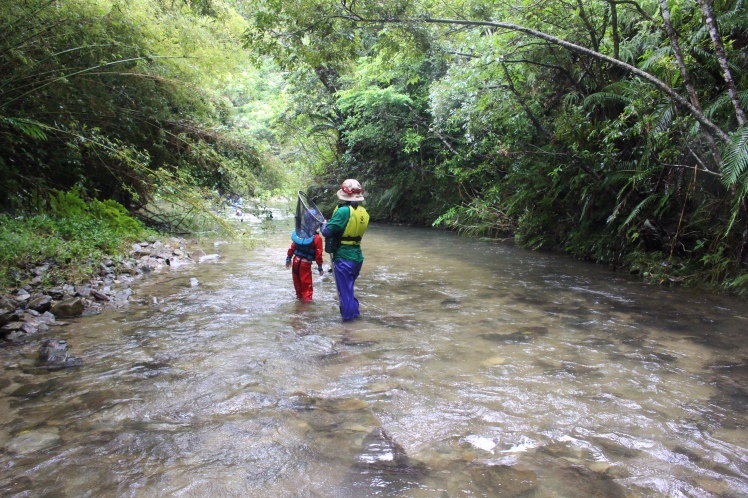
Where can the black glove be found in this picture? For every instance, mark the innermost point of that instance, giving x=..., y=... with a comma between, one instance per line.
x=320, y=270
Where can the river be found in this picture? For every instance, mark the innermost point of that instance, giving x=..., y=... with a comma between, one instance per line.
x=477, y=369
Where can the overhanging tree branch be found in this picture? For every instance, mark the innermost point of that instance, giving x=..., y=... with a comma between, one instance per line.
x=708, y=125
x=696, y=113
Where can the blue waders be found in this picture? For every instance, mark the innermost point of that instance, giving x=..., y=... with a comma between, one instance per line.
x=346, y=273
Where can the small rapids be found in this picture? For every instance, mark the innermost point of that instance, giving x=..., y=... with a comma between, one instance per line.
x=476, y=369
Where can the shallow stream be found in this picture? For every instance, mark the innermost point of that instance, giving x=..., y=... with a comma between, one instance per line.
x=477, y=369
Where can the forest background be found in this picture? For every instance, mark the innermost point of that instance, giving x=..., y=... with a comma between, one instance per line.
x=612, y=130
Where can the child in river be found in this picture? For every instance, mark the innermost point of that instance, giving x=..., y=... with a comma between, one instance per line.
x=306, y=248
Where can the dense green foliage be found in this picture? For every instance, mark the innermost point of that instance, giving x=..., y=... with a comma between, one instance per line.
x=614, y=131
x=69, y=240
x=123, y=100
x=131, y=107
x=611, y=130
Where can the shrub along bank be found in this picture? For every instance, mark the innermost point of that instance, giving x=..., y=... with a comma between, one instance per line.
x=66, y=242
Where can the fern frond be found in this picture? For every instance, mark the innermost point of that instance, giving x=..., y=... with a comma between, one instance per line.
x=743, y=98
x=635, y=212
x=666, y=119
x=655, y=58
x=735, y=158
x=736, y=207
x=29, y=127
x=605, y=99
x=571, y=99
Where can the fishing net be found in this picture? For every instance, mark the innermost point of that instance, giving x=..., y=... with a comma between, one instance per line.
x=308, y=217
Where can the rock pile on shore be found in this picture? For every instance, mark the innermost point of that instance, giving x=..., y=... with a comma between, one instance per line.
x=33, y=309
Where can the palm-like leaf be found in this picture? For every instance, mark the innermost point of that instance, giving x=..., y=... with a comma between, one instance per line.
x=735, y=159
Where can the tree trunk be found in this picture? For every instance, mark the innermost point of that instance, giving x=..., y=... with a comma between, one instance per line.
x=614, y=30
x=719, y=50
x=685, y=74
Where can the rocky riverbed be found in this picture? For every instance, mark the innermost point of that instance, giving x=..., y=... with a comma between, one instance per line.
x=30, y=313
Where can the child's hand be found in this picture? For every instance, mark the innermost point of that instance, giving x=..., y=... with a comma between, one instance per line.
x=320, y=270
x=288, y=262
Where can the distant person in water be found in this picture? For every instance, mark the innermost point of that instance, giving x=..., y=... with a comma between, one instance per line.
x=306, y=248
x=343, y=233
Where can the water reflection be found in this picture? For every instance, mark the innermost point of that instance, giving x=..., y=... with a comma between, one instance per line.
x=477, y=370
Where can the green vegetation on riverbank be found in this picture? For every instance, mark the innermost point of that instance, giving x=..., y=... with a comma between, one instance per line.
x=66, y=244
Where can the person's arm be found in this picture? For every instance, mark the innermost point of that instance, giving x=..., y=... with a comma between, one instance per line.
x=336, y=225
x=289, y=255
x=318, y=252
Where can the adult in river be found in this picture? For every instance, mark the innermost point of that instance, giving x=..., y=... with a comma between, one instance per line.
x=343, y=233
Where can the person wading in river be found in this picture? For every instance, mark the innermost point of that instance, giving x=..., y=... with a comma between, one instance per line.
x=306, y=248
x=343, y=233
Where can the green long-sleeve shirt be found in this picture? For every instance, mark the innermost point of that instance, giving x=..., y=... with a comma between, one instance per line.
x=336, y=225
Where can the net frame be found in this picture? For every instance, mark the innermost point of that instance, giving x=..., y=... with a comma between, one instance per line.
x=306, y=210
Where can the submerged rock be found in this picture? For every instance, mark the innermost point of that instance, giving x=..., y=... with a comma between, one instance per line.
x=31, y=441
x=55, y=353
x=384, y=464
x=504, y=480
x=208, y=257
x=525, y=334
x=382, y=453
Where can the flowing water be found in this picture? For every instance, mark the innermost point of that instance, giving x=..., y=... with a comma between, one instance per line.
x=476, y=370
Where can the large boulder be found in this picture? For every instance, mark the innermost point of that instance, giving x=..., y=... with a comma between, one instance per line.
x=68, y=308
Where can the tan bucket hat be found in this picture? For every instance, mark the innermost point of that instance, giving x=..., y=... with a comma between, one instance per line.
x=351, y=190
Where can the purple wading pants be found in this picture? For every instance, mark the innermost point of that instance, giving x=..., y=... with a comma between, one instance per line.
x=346, y=273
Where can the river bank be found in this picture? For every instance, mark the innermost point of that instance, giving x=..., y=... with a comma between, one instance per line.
x=31, y=310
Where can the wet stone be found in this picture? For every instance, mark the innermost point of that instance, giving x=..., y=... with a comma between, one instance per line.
x=581, y=481
x=450, y=303
x=578, y=369
x=35, y=390
x=564, y=449
x=123, y=295
x=7, y=307
x=68, y=308
x=31, y=441
x=22, y=296
x=14, y=331
x=613, y=448
x=503, y=480
x=99, y=296
x=56, y=293
x=494, y=361
x=55, y=353
x=301, y=401
x=384, y=465
x=41, y=303
x=526, y=334
x=382, y=453
x=82, y=290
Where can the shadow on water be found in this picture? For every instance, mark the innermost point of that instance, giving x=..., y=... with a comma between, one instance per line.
x=476, y=370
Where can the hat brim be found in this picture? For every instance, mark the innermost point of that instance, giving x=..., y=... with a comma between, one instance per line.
x=349, y=197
